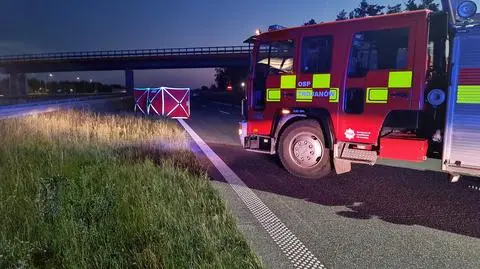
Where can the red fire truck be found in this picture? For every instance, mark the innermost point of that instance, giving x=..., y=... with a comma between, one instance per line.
x=394, y=87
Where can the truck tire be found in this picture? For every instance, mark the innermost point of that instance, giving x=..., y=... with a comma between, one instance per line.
x=302, y=150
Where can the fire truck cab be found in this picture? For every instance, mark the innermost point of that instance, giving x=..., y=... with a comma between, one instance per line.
x=400, y=87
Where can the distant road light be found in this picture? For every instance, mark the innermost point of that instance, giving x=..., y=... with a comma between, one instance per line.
x=257, y=32
x=78, y=78
x=50, y=75
x=91, y=80
x=243, y=84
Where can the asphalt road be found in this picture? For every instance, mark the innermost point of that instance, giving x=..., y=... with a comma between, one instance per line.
x=373, y=217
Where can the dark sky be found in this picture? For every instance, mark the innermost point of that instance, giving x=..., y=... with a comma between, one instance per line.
x=76, y=25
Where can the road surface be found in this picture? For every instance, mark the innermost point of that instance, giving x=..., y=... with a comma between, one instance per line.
x=373, y=217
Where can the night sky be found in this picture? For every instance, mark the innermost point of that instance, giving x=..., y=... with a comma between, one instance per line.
x=68, y=25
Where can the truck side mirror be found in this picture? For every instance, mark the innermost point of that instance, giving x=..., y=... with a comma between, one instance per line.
x=243, y=107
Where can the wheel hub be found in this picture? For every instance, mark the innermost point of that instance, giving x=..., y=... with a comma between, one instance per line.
x=306, y=150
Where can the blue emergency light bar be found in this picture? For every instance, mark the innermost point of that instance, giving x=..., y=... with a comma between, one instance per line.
x=276, y=27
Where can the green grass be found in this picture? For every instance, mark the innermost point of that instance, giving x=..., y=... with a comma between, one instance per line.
x=80, y=190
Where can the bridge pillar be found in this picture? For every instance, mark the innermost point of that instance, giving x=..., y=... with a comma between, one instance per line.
x=17, y=84
x=129, y=82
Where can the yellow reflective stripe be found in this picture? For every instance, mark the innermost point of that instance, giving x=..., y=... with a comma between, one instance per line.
x=273, y=95
x=400, y=79
x=304, y=95
x=321, y=81
x=333, y=95
x=288, y=82
x=468, y=94
x=377, y=95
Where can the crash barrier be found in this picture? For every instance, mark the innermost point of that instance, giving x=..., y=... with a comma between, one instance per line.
x=9, y=112
x=163, y=101
x=59, y=101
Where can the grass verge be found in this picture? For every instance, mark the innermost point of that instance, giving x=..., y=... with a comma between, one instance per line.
x=81, y=190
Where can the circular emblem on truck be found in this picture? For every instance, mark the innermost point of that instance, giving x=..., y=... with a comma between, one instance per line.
x=349, y=134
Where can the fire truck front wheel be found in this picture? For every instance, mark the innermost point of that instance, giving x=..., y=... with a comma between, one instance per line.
x=302, y=150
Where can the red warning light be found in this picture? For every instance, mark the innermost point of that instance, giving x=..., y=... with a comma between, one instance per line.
x=229, y=88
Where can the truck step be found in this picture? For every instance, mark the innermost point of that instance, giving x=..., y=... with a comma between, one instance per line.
x=358, y=155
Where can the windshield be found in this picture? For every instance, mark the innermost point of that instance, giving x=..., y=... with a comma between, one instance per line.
x=276, y=56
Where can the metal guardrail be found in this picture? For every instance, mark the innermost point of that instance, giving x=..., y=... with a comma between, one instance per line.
x=60, y=101
x=86, y=55
x=8, y=112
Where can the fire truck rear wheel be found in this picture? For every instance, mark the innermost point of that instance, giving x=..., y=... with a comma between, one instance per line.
x=302, y=150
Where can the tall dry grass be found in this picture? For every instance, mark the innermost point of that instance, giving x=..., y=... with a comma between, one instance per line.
x=83, y=190
x=87, y=129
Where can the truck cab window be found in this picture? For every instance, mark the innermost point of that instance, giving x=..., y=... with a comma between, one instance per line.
x=316, y=54
x=273, y=58
x=354, y=103
x=277, y=57
x=378, y=50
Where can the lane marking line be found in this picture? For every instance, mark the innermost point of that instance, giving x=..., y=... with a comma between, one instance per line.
x=224, y=112
x=223, y=104
x=290, y=245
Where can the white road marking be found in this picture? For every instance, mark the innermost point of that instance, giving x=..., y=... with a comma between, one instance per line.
x=220, y=103
x=290, y=245
x=224, y=112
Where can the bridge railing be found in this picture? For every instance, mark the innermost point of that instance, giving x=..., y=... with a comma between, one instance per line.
x=125, y=53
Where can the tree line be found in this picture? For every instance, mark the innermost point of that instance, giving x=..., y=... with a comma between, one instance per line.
x=366, y=9
x=234, y=76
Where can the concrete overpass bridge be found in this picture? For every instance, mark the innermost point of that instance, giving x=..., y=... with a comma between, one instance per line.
x=128, y=60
